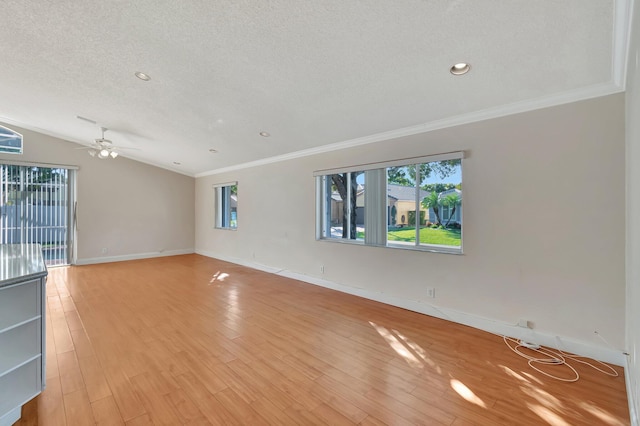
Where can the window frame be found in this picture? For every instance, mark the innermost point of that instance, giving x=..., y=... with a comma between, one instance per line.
x=9, y=149
x=223, y=218
x=323, y=230
x=380, y=192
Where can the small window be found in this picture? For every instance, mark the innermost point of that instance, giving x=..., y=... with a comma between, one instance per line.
x=10, y=141
x=226, y=197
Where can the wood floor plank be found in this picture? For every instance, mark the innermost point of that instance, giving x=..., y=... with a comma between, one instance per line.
x=270, y=412
x=127, y=400
x=153, y=400
x=300, y=415
x=73, y=320
x=216, y=413
x=78, y=409
x=238, y=408
x=331, y=416
x=163, y=341
x=81, y=343
x=106, y=413
x=188, y=412
x=94, y=379
x=70, y=373
x=61, y=334
x=143, y=420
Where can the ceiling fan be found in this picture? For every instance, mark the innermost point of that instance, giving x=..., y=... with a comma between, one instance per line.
x=103, y=148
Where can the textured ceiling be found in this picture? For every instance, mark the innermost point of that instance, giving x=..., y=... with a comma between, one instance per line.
x=309, y=73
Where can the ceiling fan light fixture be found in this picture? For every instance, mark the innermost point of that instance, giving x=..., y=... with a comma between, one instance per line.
x=102, y=148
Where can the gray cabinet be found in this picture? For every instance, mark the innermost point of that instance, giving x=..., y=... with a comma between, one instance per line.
x=22, y=328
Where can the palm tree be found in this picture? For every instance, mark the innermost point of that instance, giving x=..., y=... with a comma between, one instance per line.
x=432, y=201
x=452, y=201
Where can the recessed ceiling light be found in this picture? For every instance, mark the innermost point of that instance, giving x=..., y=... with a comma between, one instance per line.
x=213, y=151
x=176, y=163
x=143, y=76
x=265, y=134
x=460, y=68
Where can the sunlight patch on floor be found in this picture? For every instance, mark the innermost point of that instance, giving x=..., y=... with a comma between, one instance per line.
x=466, y=393
x=397, y=346
x=543, y=397
x=601, y=414
x=418, y=351
x=218, y=276
x=532, y=377
x=513, y=374
x=547, y=415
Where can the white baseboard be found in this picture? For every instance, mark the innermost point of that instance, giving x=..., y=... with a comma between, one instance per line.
x=239, y=261
x=135, y=256
x=634, y=414
x=486, y=324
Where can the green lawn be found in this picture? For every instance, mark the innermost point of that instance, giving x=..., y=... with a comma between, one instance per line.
x=445, y=237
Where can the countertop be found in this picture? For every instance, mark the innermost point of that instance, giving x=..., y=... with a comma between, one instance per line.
x=20, y=262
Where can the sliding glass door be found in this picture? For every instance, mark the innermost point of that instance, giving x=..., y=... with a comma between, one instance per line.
x=35, y=207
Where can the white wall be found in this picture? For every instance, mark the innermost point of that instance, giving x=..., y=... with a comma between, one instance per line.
x=130, y=208
x=544, y=225
x=633, y=216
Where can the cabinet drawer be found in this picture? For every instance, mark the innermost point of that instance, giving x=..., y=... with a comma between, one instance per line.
x=19, y=344
x=19, y=303
x=20, y=386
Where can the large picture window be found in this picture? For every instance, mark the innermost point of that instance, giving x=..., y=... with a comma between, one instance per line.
x=226, y=200
x=412, y=203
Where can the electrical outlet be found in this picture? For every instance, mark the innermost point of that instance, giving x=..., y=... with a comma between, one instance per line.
x=322, y=269
x=524, y=323
x=105, y=250
x=431, y=292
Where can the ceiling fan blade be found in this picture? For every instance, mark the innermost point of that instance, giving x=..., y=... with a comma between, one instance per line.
x=117, y=148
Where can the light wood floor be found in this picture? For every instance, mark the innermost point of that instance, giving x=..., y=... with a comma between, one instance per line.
x=192, y=340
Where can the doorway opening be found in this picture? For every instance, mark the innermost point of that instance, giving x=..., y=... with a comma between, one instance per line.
x=35, y=207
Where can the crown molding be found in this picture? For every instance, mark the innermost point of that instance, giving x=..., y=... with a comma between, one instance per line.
x=576, y=95
x=64, y=138
x=623, y=14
